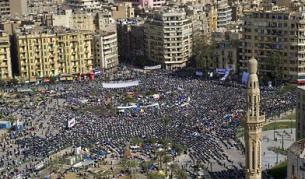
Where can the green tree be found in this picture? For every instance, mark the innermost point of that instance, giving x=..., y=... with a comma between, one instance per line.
x=203, y=52
x=52, y=79
x=276, y=63
x=14, y=81
x=155, y=175
x=2, y=83
x=177, y=172
x=166, y=159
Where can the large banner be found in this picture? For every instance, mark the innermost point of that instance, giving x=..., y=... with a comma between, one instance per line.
x=123, y=84
x=152, y=67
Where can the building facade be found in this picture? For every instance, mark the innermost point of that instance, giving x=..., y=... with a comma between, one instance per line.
x=5, y=57
x=130, y=39
x=18, y=7
x=4, y=8
x=224, y=14
x=145, y=3
x=300, y=113
x=106, y=51
x=277, y=38
x=296, y=160
x=168, y=38
x=47, y=54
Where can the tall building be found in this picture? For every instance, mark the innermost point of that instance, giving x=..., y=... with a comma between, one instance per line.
x=224, y=14
x=51, y=53
x=18, y=7
x=75, y=20
x=144, y=3
x=253, y=124
x=84, y=4
x=122, y=11
x=106, y=51
x=4, y=8
x=296, y=160
x=300, y=113
x=5, y=57
x=275, y=33
x=168, y=38
x=131, y=39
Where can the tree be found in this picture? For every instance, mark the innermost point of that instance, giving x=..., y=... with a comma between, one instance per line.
x=166, y=159
x=177, y=172
x=14, y=81
x=2, y=83
x=155, y=175
x=52, y=80
x=276, y=63
x=203, y=52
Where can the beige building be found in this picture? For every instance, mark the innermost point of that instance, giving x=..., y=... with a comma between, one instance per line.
x=51, y=53
x=4, y=8
x=168, y=38
x=279, y=32
x=300, y=113
x=106, y=51
x=75, y=20
x=5, y=57
x=122, y=11
x=296, y=160
x=18, y=7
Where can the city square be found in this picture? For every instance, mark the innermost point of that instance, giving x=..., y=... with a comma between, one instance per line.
x=198, y=114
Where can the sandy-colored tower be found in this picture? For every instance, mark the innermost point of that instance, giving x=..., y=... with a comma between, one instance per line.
x=253, y=124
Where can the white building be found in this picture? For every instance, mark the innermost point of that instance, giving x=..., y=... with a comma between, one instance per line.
x=84, y=4
x=106, y=51
x=76, y=20
x=168, y=38
x=224, y=14
x=296, y=160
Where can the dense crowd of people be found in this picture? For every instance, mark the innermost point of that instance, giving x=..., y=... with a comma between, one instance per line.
x=201, y=115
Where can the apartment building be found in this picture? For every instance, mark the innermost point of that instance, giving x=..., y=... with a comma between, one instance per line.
x=5, y=57
x=224, y=14
x=168, y=38
x=79, y=20
x=300, y=113
x=106, y=51
x=84, y=4
x=131, y=39
x=122, y=11
x=153, y=4
x=4, y=8
x=279, y=33
x=18, y=7
x=46, y=53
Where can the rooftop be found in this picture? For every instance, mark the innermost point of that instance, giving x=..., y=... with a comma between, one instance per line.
x=298, y=148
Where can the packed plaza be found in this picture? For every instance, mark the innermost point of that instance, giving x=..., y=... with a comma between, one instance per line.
x=201, y=115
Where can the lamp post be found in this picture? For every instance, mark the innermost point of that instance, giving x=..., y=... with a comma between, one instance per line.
x=291, y=123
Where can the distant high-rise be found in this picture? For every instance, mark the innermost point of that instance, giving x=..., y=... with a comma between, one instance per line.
x=168, y=38
x=300, y=112
x=18, y=7
x=253, y=124
x=5, y=57
x=4, y=8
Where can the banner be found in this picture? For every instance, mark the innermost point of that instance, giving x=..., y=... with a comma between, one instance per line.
x=244, y=78
x=199, y=73
x=152, y=67
x=71, y=123
x=123, y=84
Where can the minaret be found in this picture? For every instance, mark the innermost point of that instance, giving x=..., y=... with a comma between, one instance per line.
x=253, y=124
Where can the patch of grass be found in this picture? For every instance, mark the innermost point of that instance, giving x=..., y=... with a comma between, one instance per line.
x=279, y=125
x=279, y=171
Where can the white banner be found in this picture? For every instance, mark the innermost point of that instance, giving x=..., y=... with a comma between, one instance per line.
x=152, y=67
x=123, y=84
x=71, y=123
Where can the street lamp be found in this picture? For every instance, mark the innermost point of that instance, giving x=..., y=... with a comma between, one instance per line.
x=291, y=122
